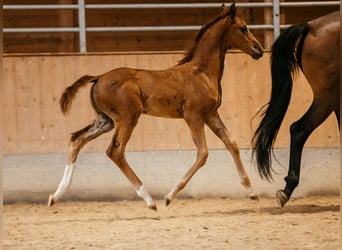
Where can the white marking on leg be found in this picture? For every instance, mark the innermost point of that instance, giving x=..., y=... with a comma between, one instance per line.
x=142, y=192
x=244, y=179
x=65, y=183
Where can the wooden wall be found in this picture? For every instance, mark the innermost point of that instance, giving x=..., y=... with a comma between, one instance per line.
x=33, y=122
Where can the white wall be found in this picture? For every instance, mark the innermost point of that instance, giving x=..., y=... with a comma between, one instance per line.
x=34, y=177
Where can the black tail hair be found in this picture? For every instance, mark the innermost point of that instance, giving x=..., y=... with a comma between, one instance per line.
x=285, y=60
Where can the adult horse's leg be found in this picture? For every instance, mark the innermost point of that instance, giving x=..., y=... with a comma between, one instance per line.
x=197, y=132
x=216, y=125
x=116, y=152
x=78, y=139
x=319, y=110
x=337, y=114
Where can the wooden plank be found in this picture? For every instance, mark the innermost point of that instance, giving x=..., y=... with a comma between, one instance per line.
x=9, y=106
x=34, y=123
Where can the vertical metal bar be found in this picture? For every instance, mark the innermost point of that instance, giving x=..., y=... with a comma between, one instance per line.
x=82, y=26
x=276, y=19
x=268, y=19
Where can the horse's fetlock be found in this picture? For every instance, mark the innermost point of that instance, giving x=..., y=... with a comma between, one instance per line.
x=292, y=181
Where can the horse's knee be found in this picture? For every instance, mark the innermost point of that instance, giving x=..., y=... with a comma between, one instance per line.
x=233, y=147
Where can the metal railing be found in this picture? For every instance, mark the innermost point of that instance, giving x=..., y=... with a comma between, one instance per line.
x=82, y=7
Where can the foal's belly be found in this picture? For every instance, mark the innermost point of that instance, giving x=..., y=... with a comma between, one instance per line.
x=164, y=107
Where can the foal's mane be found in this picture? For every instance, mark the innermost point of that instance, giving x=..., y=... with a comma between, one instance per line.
x=190, y=54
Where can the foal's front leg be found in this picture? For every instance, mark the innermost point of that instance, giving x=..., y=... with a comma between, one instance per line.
x=216, y=125
x=197, y=132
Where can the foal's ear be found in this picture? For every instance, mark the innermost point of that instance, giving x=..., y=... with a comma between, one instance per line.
x=224, y=9
x=232, y=11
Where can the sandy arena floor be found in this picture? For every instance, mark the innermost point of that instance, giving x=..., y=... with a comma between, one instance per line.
x=305, y=223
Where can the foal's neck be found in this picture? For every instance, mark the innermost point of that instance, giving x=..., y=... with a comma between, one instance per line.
x=210, y=52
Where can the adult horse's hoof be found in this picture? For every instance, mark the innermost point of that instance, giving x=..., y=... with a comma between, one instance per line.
x=281, y=198
x=51, y=201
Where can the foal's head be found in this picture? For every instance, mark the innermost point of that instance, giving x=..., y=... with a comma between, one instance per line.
x=239, y=36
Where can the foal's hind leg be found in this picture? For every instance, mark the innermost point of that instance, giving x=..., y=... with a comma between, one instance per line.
x=116, y=152
x=216, y=125
x=78, y=140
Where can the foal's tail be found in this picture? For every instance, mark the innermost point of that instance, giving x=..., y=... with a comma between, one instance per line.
x=70, y=92
x=285, y=59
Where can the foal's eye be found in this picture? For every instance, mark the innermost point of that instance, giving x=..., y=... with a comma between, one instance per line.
x=244, y=29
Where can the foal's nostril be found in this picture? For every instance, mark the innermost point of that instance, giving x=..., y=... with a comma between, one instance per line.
x=261, y=51
x=258, y=51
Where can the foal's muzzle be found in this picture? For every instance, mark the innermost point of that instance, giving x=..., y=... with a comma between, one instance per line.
x=257, y=51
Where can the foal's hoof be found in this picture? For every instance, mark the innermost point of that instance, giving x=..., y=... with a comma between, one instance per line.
x=168, y=198
x=281, y=198
x=254, y=197
x=153, y=207
x=167, y=201
x=51, y=201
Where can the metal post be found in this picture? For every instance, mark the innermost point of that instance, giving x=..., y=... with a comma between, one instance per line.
x=276, y=19
x=82, y=26
x=268, y=19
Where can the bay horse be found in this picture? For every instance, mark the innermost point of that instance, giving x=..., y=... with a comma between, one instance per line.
x=190, y=90
x=312, y=47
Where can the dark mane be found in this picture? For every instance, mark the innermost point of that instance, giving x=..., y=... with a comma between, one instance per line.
x=190, y=54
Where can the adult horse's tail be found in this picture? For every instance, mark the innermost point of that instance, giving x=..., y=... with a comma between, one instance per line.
x=285, y=59
x=70, y=92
